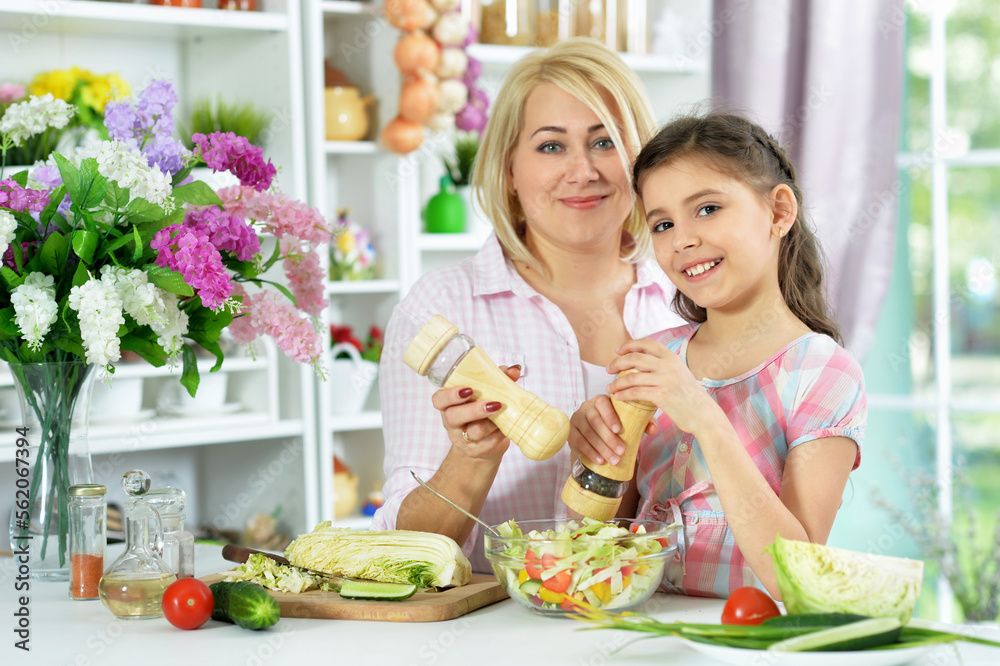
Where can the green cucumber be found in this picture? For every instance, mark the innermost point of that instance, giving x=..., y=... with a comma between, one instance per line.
x=819, y=620
x=531, y=587
x=860, y=635
x=245, y=604
x=370, y=589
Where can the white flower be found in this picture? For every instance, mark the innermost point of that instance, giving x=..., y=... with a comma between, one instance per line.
x=8, y=226
x=35, y=308
x=150, y=306
x=126, y=165
x=34, y=116
x=173, y=327
x=99, y=309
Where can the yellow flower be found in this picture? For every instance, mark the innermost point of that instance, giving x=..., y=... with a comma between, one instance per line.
x=345, y=242
x=59, y=82
x=103, y=89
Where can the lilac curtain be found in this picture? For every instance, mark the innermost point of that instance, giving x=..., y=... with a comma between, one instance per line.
x=826, y=79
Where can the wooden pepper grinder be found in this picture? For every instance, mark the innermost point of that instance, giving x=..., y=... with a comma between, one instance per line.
x=448, y=358
x=595, y=490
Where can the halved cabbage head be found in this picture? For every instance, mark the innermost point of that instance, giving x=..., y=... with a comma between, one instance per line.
x=391, y=556
x=820, y=579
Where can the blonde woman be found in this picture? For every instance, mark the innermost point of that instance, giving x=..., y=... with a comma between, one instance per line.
x=564, y=281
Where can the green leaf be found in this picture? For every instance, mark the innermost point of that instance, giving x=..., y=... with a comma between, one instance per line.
x=168, y=279
x=21, y=178
x=84, y=244
x=52, y=256
x=116, y=197
x=55, y=198
x=11, y=279
x=93, y=185
x=69, y=345
x=139, y=210
x=273, y=258
x=137, y=252
x=197, y=193
x=284, y=290
x=189, y=376
x=70, y=177
x=81, y=275
x=108, y=248
x=142, y=341
x=7, y=324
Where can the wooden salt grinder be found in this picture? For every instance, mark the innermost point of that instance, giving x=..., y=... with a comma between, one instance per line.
x=448, y=359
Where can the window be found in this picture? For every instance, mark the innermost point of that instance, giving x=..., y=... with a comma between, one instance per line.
x=934, y=375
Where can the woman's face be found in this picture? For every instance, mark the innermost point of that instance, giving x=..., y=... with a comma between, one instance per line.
x=713, y=235
x=567, y=173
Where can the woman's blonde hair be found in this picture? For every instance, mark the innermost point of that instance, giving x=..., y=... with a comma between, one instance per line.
x=588, y=70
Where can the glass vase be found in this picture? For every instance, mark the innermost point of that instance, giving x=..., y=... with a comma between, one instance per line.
x=55, y=401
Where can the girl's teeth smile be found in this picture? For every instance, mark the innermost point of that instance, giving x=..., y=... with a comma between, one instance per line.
x=701, y=268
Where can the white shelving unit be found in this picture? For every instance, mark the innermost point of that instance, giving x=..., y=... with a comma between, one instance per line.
x=240, y=56
x=386, y=193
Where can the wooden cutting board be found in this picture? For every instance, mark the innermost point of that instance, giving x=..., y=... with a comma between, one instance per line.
x=424, y=606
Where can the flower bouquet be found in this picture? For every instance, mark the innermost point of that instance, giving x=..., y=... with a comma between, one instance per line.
x=352, y=255
x=114, y=248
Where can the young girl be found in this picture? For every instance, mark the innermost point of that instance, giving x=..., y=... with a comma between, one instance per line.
x=762, y=412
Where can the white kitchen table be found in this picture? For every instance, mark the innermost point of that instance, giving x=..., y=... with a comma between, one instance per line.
x=81, y=633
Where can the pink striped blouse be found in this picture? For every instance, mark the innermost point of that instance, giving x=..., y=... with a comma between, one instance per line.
x=487, y=300
x=810, y=389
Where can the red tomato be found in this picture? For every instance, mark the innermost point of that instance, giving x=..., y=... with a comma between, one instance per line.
x=560, y=582
x=548, y=561
x=532, y=565
x=748, y=605
x=187, y=603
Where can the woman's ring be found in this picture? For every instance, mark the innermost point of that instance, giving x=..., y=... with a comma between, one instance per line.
x=465, y=436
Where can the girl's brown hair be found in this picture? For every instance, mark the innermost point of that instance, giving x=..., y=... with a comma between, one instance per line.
x=742, y=149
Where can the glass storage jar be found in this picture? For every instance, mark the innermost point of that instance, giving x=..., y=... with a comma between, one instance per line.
x=178, y=544
x=507, y=22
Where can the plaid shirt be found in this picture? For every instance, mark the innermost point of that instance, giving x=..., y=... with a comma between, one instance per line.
x=487, y=300
x=810, y=389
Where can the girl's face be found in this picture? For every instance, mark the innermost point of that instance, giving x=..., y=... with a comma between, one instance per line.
x=713, y=235
x=567, y=173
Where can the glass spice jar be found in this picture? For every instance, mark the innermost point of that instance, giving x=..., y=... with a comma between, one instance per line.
x=88, y=521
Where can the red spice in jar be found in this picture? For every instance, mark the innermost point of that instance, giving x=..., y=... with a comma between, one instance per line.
x=85, y=575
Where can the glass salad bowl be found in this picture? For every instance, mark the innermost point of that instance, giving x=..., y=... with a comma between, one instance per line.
x=562, y=567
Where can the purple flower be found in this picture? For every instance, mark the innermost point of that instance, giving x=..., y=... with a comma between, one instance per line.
x=148, y=122
x=17, y=198
x=225, y=151
x=225, y=231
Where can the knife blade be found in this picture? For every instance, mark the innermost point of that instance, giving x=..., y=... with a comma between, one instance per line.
x=240, y=554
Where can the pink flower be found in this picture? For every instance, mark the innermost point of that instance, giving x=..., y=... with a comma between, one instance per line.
x=305, y=277
x=10, y=92
x=267, y=313
x=17, y=198
x=225, y=151
x=279, y=214
x=193, y=256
